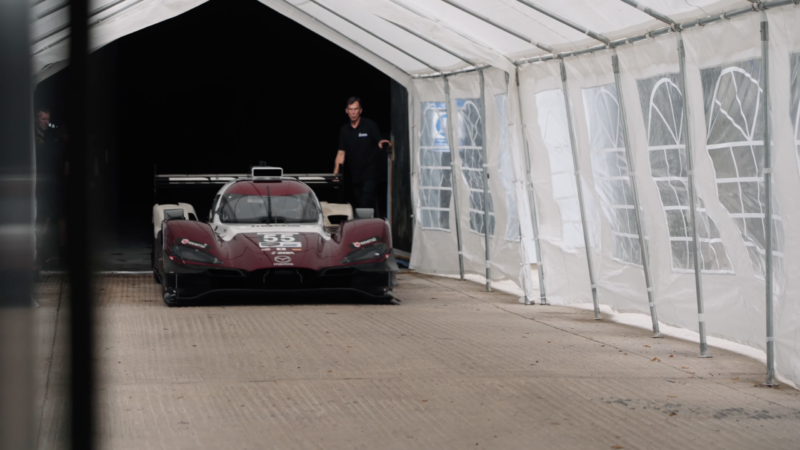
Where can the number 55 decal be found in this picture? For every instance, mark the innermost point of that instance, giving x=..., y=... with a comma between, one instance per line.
x=273, y=240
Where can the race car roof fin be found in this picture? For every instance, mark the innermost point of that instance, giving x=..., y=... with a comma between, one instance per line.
x=267, y=173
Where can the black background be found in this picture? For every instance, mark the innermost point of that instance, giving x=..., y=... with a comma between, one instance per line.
x=216, y=89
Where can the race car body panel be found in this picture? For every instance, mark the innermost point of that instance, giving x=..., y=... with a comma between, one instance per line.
x=196, y=259
x=278, y=246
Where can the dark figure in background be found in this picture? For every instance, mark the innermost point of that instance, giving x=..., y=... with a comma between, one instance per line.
x=360, y=140
x=51, y=171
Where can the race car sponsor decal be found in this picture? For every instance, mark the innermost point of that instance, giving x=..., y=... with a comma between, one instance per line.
x=282, y=225
x=283, y=261
x=369, y=241
x=185, y=241
x=279, y=241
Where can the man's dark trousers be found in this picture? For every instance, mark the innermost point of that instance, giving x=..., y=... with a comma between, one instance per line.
x=366, y=194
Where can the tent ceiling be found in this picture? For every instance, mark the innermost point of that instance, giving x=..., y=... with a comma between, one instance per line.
x=400, y=37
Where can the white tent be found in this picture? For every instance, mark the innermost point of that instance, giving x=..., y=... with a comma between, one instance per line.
x=582, y=121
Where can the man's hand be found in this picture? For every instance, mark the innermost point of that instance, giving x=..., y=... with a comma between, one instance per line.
x=389, y=144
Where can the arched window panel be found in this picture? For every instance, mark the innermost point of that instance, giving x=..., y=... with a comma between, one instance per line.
x=435, y=190
x=555, y=134
x=735, y=143
x=662, y=108
x=505, y=169
x=795, y=102
x=610, y=171
x=470, y=150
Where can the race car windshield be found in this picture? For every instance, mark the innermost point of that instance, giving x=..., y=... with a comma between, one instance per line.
x=299, y=208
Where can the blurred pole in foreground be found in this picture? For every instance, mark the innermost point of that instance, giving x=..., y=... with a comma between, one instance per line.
x=82, y=405
x=16, y=229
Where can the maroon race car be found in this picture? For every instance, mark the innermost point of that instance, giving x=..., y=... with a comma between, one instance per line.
x=268, y=236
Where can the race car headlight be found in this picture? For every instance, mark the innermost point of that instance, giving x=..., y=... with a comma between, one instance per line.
x=194, y=254
x=366, y=253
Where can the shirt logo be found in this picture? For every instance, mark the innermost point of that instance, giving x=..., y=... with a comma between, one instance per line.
x=363, y=135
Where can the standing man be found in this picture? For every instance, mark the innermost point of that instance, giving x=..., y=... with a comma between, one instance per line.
x=41, y=124
x=51, y=172
x=360, y=140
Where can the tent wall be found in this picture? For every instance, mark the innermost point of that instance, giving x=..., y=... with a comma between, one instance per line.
x=599, y=140
x=560, y=230
x=724, y=84
x=654, y=102
x=435, y=246
x=508, y=224
x=785, y=98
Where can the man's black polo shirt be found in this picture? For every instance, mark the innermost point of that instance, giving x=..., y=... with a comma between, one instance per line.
x=362, y=154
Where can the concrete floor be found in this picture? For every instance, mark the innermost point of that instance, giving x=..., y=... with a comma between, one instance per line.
x=452, y=367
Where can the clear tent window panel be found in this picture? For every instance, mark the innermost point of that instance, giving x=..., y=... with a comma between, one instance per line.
x=436, y=188
x=505, y=169
x=610, y=171
x=470, y=150
x=794, y=104
x=555, y=134
x=735, y=143
x=662, y=108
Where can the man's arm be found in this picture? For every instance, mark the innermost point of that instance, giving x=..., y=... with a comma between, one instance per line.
x=340, y=154
x=339, y=161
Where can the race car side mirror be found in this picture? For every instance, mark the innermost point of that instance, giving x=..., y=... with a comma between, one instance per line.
x=174, y=214
x=364, y=213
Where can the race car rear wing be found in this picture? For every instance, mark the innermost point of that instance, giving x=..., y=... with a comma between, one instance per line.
x=327, y=186
x=163, y=180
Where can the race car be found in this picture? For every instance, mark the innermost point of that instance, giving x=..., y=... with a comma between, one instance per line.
x=269, y=236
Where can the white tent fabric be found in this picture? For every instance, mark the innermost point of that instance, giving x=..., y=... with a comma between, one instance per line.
x=517, y=47
x=785, y=101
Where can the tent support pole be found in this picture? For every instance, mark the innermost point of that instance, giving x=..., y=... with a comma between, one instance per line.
x=768, y=193
x=574, y=147
x=567, y=22
x=486, y=198
x=389, y=186
x=498, y=25
x=435, y=20
x=411, y=166
x=385, y=41
x=651, y=12
x=432, y=42
x=637, y=212
x=531, y=200
x=453, y=173
x=696, y=246
x=333, y=30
